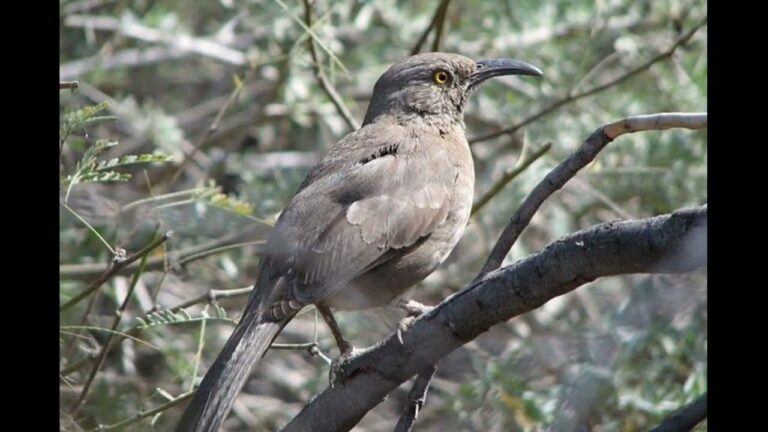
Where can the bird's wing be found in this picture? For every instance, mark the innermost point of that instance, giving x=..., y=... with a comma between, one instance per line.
x=383, y=195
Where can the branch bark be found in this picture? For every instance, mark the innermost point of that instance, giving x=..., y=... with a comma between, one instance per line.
x=664, y=244
x=585, y=154
x=417, y=397
x=686, y=418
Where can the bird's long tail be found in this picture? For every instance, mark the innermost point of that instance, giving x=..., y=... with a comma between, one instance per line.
x=223, y=381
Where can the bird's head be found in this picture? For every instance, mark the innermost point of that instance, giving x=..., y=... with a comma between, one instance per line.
x=435, y=86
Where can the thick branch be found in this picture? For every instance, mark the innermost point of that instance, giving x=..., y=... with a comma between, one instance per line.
x=557, y=178
x=663, y=244
x=686, y=418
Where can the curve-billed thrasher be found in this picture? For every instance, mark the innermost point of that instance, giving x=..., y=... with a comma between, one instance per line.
x=378, y=214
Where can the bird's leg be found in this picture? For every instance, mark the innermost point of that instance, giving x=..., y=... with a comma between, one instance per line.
x=344, y=346
x=413, y=310
x=346, y=350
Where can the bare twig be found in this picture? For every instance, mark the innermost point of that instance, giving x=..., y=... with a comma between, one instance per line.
x=322, y=79
x=212, y=296
x=509, y=176
x=686, y=418
x=114, y=268
x=89, y=226
x=68, y=85
x=110, y=338
x=574, y=96
x=144, y=414
x=423, y=38
x=417, y=397
x=575, y=162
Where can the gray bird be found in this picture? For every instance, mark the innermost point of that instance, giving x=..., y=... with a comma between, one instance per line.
x=378, y=214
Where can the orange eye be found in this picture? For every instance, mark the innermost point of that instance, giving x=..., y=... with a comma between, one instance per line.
x=441, y=77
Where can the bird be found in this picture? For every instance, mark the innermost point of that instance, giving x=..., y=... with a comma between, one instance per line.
x=380, y=212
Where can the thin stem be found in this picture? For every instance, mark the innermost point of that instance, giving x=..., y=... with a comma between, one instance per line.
x=199, y=353
x=144, y=414
x=93, y=230
x=509, y=176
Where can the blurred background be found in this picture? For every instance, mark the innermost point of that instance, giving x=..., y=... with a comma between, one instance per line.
x=202, y=118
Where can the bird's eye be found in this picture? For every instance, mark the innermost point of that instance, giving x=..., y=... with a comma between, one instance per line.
x=440, y=77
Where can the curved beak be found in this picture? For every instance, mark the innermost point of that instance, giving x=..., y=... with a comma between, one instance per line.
x=497, y=67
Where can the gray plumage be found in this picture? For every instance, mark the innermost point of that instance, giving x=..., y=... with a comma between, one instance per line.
x=378, y=214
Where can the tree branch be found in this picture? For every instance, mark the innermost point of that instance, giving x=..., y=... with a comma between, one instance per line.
x=664, y=244
x=557, y=178
x=417, y=397
x=68, y=85
x=572, y=97
x=685, y=418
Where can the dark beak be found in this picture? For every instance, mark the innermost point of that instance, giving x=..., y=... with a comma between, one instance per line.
x=497, y=67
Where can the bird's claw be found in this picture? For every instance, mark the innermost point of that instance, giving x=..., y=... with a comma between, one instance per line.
x=339, y=371
x=413, y=310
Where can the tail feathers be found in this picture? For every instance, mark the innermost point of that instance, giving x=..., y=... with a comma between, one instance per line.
x=223, y=381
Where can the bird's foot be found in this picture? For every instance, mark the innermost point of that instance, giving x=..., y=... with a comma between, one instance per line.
x=413, y=310
x=339, y=366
